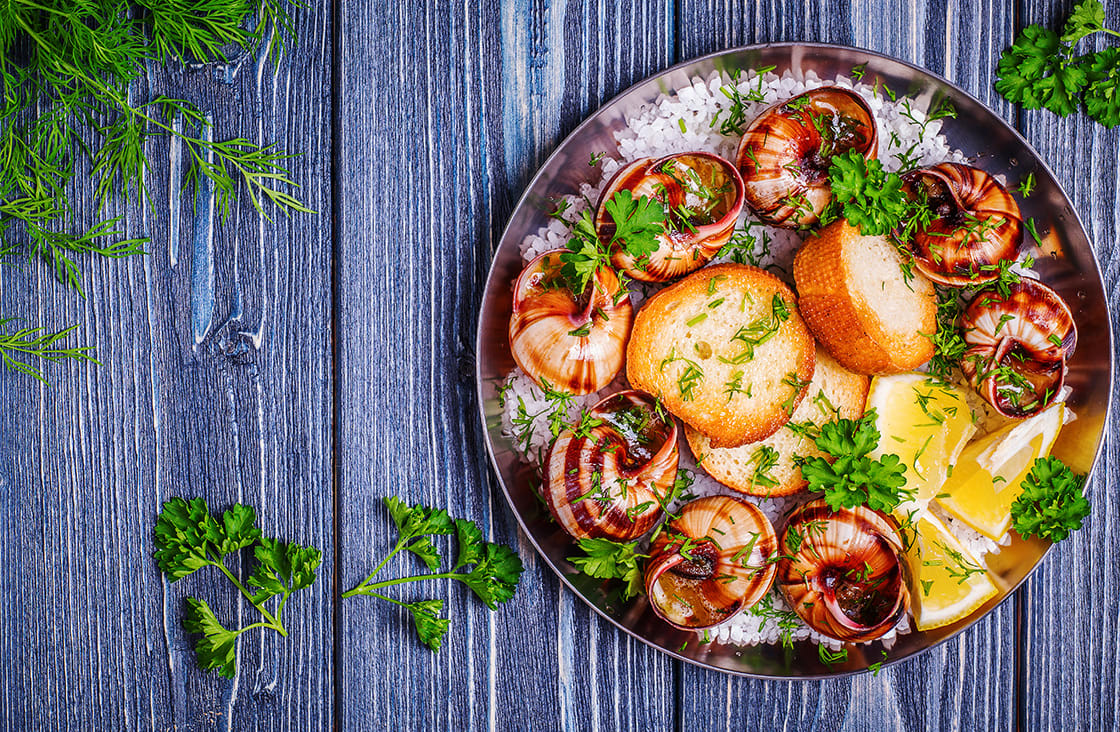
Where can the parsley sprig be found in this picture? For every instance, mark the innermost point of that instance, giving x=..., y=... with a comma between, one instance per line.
x=1042, y=71
x=188, y=538
x=491, y=570
x=1051, y=504
x=872, y=198
x=637, y=224
x=853, y=478
x=606, y=559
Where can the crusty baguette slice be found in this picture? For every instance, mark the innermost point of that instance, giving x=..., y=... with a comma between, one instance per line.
x=725, y=350
x=869, y=313
x=766, y=468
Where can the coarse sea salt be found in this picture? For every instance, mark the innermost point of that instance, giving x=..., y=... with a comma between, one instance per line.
x=907, y=137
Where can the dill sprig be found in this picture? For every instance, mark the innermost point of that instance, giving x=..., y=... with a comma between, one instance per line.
x=67, y=69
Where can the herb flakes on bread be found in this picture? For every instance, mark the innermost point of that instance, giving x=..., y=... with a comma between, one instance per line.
x=766, y=468
x=726, y=351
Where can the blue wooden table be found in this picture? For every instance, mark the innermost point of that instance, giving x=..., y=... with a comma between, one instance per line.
x=310, y=366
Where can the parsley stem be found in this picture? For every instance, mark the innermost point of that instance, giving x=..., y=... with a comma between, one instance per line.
x=396, y=550
x=272, y=621
x=389, y=583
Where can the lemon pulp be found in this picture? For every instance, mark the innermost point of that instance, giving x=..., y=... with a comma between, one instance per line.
x=926, y=423
x=947, y=583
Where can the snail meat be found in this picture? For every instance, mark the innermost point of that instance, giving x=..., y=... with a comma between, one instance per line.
x=710, y=563
x=575, y=343
x=1019, y=344
x=702, y=195
x=786, y=151
x=843, y=572
x=608, y=476
x=973, y=224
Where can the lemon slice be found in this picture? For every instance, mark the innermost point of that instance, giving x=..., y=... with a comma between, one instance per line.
x=947, y=582
x=989, y=475
x=926, y=423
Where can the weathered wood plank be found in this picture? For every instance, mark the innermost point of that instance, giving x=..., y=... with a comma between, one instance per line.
x=1071, y=663
x=442, y=125
x=969, y=681
x=215, y=382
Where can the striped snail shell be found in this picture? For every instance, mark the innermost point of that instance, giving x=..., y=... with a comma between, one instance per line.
x=608, y=476
x=843, y=572
x=786, y=152
x=975, y=224
x=702, y=195
x=1019, y=345
x=577, y=343
x=711, y=562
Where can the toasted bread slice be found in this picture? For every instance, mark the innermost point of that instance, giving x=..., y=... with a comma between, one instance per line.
x=766, y=468
x=863, y=307
x=725, y=350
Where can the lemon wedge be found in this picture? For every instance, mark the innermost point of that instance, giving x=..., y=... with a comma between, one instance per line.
x=947, y=582
x=989, y=475
x=926, y=423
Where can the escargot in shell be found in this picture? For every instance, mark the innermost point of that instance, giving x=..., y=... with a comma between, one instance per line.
x=574, y=341
x=843, y=572
x=711, y=562
x=973, y=225
x=786, y=152
x=608, y=476
x=1019, y=345
x=701, y=195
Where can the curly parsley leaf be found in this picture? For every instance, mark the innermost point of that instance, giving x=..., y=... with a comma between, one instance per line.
x=1102, y=93
x=871, y=197
x=1087, y=18
x=217, y=648
x=606, y=559
x=188, y=538
x=491, y=570
x=637, y=222
x=1051, y=504
x=430, y=627
x=853, y=478
x=585, y=255
x=1040, y=70
x=496, y=575
x=283, y=568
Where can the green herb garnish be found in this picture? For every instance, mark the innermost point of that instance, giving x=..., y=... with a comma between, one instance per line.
x=610, y=560
x=493, y=574
x=1042, y=71
x=1051, y=504
x=188, y=538
x=854, y=479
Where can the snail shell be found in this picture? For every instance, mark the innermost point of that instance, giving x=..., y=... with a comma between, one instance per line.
x=843, y=572
x=786, y=151
x=975, y=224
x=702, y=194
x=1019, y=345
x=609, y=479
x=576, y=343
x=711, y=562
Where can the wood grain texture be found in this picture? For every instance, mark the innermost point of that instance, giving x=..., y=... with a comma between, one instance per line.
x=968, y=682
x=1071, y=663
x=215, y=382
x=441, y=126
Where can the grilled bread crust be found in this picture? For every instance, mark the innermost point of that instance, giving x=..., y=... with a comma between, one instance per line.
x=873, y=316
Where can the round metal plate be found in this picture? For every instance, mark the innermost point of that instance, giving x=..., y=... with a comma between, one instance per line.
x=1064, y=260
